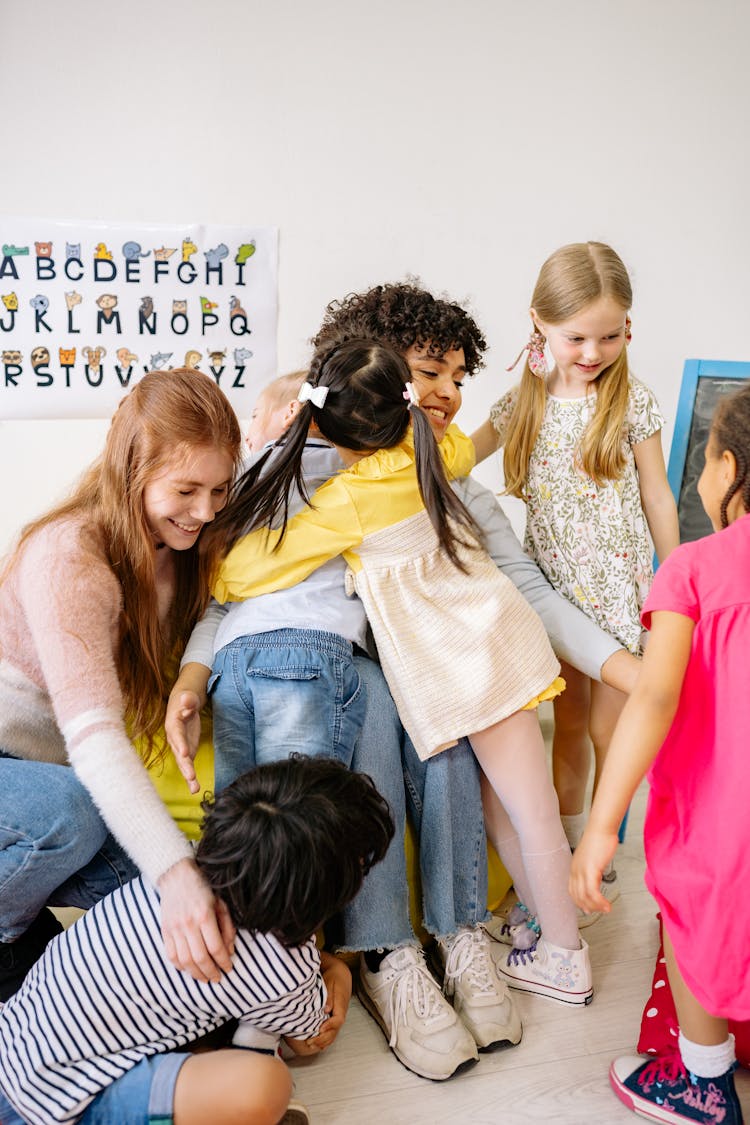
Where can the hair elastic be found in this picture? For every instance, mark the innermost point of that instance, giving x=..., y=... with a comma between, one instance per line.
x=411, y=396
x=316, y=395
x=537, y=359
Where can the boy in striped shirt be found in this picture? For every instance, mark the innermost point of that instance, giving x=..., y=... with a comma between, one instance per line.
x=98, y=1031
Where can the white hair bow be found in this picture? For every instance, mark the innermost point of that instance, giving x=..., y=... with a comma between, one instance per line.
x=316, y=395
x=411, y=396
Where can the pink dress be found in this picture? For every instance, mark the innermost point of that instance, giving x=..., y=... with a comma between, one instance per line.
x=697, y=831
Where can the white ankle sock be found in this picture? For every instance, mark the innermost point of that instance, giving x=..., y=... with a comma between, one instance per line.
x=707, y=1062
x=573, y=827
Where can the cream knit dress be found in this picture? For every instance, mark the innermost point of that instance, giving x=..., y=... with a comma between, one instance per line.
x=460, y=651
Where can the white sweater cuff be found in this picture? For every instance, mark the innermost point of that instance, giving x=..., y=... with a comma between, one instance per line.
x=108, y=765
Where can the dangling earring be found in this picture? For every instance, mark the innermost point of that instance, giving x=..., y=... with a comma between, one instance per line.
x=537, y=358
x=628, y=333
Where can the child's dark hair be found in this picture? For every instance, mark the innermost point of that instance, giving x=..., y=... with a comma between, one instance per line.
x=288, y=844
x=405, y=315
x=366, y=409
x=731, y=431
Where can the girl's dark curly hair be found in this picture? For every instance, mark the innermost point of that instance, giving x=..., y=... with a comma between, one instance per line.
x=731, y=430
x=404, y=316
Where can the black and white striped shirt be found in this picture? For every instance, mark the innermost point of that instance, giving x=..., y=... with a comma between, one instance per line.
x=104, y=996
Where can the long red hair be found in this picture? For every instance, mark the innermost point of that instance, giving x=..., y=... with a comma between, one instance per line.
x=167, y=413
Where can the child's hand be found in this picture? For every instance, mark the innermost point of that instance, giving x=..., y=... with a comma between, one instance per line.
x=338, y=981
x=590, y=858
x=183, y=729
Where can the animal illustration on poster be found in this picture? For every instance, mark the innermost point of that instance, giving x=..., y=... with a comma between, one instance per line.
x=82, y=301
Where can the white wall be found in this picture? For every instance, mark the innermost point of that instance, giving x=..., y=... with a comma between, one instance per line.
x=461, y=142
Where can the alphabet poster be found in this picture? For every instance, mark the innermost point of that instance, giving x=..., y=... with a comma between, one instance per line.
x=86, y=308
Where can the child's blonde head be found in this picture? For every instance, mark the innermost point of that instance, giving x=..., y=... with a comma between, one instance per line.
x=569, y=281
x=274, y=410
x=576, y=275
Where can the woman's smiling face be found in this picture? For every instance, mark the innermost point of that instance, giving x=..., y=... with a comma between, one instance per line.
x=438, y=381
x=186, y=494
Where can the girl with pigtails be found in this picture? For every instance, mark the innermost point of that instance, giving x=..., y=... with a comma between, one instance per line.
x=462, y=651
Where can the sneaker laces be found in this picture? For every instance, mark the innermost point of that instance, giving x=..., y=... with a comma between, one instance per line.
x=426, y=998
x=522, y=956
x=667, y=1067
x=467, y=954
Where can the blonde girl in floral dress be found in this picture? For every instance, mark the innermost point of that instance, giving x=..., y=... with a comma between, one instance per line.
x=582, y=448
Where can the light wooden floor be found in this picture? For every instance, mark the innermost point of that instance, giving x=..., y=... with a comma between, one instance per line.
x=557, y=1074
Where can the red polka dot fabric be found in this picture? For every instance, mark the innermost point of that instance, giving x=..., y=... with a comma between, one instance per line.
x=659, y=1027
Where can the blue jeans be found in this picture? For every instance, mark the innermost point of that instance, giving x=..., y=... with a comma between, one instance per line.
x=143, y=1096
x=54, y=846
x=286, y=691
x=445, y=801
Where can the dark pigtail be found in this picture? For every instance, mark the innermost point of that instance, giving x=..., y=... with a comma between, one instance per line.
x=262, y=499
x=440, y=501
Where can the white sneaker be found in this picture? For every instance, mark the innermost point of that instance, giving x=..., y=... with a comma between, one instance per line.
x=296, y=1114
x=610, y=889
x=480, y=995
x=549, y=970
x=422, y=1029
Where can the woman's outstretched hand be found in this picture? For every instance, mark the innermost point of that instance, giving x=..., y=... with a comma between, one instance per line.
x=196, y=927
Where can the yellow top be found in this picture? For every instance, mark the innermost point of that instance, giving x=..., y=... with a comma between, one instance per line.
x=346, y=510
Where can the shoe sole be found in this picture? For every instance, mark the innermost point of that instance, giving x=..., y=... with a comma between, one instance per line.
x=496, y=1044
x=296, y=1114
x=576, y=999
x=371, y=1008
x=638, y=1105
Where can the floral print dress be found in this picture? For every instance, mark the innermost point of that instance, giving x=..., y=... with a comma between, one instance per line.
x=591, y=541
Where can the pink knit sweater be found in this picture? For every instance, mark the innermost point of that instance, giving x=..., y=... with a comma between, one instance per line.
x=60, y=697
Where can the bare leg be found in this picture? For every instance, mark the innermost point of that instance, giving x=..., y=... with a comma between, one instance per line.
x=231, y=1088
x=571, y=749
x=606, y=705
x=512, y=756
x=695, y=1022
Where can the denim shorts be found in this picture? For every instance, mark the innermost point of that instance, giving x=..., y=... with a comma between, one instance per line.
x=282, y=692
x=143, y=1096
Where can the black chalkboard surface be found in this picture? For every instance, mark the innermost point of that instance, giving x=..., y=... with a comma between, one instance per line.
x=704, y=381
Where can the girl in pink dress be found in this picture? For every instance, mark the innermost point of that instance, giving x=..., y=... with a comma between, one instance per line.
x=687, y=722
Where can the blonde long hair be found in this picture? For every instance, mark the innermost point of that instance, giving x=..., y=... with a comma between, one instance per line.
x=167, y=413
x=570, y=279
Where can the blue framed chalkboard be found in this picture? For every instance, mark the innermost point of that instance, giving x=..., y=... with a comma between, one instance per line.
x=704, y=381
